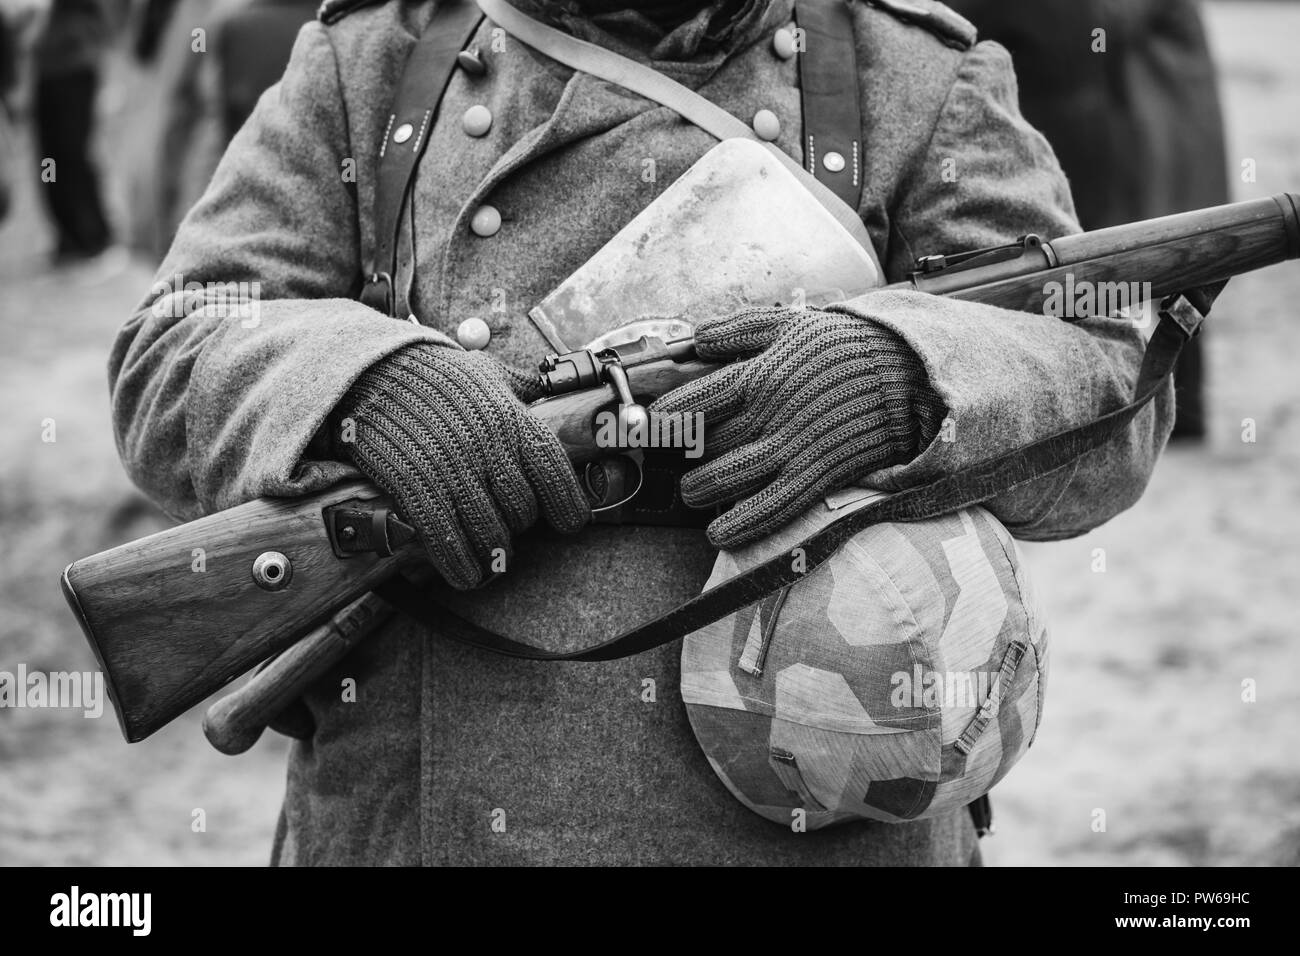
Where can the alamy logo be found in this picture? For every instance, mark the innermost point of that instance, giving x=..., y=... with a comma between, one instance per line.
x=1082, y=298
x=73, y=690
x=652, y=430
x=929, y=688
x=221, y=300
x=102, y=909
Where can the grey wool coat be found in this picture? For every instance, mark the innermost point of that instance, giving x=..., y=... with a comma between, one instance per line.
x=443, y=741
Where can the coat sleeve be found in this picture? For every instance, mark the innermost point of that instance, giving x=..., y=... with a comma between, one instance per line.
x=1007, y=377
x=215, y=401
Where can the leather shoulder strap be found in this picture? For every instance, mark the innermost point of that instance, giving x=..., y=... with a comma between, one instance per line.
x=424, y=80
x=828, y=85
x=828, y=78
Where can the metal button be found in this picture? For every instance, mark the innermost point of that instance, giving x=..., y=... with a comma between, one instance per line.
x=473, y=334
x=783, y=43
x=471, y=61
x=833, y=161
x=477, y=121
x=486, y=221
x=766, y=125
x=403, y=133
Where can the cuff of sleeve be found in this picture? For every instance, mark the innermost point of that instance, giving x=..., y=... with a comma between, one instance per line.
x=264, y=386
x=997, y=372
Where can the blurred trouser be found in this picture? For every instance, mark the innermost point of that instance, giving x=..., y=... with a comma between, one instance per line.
x=65, y=114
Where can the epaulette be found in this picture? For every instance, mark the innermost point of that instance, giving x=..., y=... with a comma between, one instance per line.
x=332, y=11
x=941, y=20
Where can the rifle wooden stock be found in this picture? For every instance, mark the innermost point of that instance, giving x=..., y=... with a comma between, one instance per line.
x=170, y=627
x=167, y=636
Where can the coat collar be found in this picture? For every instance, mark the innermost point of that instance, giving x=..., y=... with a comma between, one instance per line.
x=700, y=44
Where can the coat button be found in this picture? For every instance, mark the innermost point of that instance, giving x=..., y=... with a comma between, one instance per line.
x=766, y=125
x=833, y=161
x=783, y=43
x=403, y=133
x=471, y=61
x=473, y=334
x=477, y=121
x=486, y=221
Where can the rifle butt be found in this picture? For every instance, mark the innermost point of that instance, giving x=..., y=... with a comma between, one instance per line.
x=176, y=616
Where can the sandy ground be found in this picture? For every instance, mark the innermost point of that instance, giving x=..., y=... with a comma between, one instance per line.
x=1145, y=718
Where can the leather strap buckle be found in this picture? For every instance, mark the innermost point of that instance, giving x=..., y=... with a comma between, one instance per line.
x=378, y=292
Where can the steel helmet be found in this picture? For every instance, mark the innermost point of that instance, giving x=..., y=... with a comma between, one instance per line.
x=901, y=679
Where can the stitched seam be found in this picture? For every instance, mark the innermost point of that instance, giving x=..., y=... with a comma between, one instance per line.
x=419, y=138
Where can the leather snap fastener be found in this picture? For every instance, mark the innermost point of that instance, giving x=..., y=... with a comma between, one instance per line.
x=783, y=43
x=473, y=334
x=486, y=221
x=766, y=125
x=476, y=121
x=403, y=133
x=833, y=161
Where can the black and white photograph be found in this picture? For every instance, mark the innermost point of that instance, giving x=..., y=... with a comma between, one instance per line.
x=650, y=433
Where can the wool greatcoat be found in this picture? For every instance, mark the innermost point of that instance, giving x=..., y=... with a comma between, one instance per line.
x=571, y=762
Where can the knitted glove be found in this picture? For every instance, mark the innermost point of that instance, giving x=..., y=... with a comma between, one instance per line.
x=826, y=399
x=443, y=432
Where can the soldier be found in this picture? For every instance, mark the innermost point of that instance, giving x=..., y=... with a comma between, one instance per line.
x=436, y=752
x=68, y=61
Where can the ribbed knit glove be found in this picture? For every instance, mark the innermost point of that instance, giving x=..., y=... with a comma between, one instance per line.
x=825, y=399
x=445, y=434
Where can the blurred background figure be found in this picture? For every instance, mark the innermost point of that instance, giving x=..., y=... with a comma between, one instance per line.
x=1126, y=93
x=252, y=45
x=21, y=22
x=68, y=61
x=201, y=98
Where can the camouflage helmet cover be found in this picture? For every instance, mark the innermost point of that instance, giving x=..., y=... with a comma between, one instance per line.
x=901, y=679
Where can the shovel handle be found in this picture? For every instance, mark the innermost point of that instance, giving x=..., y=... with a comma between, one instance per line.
x=235, y=722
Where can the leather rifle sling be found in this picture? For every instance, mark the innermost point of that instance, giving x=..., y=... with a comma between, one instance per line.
x=653, y=85
x=424, y=80
x=1180, y=318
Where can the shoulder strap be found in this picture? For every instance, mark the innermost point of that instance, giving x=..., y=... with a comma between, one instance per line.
x=424, y=80
x=1180, y=318
x=828, y=88
x=653, y=85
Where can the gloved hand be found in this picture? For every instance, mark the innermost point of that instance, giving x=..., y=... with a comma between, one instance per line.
x=445, y=434
x=826, y=399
